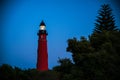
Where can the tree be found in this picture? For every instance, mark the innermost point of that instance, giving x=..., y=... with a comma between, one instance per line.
x=78, y=47
x=105, y=20
x=105, y=29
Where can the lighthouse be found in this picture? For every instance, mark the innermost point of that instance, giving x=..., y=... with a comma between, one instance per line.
x=42, y=53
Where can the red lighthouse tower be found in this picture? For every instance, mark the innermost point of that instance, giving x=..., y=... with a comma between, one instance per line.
x=42, y=54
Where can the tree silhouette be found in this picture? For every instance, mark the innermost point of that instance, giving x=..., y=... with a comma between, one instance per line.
x=78, y=47
x=105, y=29
x=105, y=20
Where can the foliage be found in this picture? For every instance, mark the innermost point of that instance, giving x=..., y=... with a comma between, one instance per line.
x=78, y=47
x=95, y=58
x=9, y=73
x=105, y=20
x=64, y=68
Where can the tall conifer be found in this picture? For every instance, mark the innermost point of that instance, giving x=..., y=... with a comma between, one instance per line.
x=105, y=20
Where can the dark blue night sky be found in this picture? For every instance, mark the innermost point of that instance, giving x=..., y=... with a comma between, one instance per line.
x=64, y=19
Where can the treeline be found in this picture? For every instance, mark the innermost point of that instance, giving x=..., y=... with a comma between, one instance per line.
x=9, y=73
x=94, y=58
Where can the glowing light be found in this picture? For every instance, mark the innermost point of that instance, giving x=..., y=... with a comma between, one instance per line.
x=42, y=27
